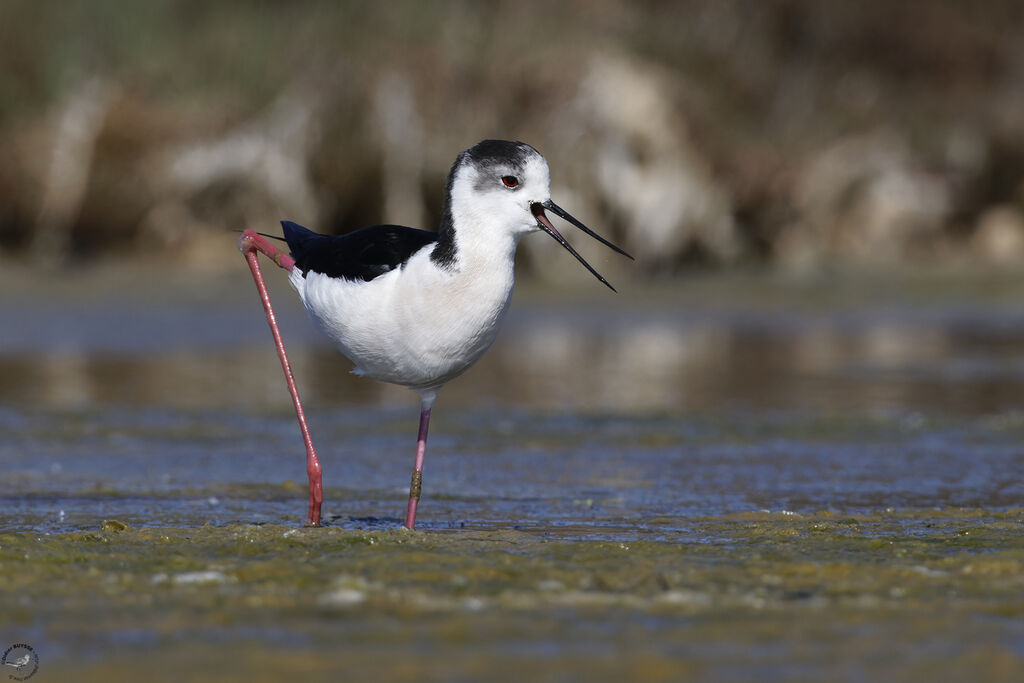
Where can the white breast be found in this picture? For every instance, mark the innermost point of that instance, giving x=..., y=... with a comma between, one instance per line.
x=417, y=326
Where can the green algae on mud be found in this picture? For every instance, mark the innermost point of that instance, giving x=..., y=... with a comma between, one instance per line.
x=951, y=582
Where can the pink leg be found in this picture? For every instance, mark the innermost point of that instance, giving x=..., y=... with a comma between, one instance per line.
x=426, y=403
x=249, y=243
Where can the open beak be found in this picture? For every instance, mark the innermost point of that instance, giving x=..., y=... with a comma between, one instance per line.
x=542, y=220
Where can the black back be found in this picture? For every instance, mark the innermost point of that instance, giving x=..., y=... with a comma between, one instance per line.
x=360, y=255
x=370, y=252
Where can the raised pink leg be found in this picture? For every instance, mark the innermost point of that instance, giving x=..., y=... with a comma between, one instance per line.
x=426, y=403
x=249, y=243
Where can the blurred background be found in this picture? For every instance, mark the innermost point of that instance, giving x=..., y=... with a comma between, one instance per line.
x=776, y=167
x=777, y=132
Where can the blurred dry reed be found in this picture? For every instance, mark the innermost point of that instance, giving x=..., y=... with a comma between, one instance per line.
x=796, y=134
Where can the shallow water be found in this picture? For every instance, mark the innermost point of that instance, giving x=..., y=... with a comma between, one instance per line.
x=723, y=478
x=600, y=477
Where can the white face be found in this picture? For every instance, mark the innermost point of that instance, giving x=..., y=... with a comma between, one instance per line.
x=498, y=191
x=495, y=193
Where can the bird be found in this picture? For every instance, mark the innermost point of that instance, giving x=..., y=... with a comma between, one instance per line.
x=413, y=307
x=20, y=661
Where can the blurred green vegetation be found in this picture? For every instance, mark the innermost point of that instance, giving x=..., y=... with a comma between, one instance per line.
x=750, y=104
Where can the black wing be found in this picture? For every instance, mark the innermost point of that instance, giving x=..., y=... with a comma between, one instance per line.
x=360, y=255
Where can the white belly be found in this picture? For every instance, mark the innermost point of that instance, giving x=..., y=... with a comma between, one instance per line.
x=416, y=326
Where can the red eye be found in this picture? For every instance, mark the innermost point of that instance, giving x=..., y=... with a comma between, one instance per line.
x=510, y=180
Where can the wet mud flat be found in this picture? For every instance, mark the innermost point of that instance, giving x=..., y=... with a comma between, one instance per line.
x=157, y=545
x=894, y=595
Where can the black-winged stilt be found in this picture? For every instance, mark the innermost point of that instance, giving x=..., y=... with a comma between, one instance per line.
x=412, y=307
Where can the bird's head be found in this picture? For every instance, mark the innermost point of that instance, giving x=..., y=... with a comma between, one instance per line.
x=505, y=186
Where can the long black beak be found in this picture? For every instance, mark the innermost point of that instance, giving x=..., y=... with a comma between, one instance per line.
x=545, y=225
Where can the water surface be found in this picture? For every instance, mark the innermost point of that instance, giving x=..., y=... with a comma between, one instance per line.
x=726, y=478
